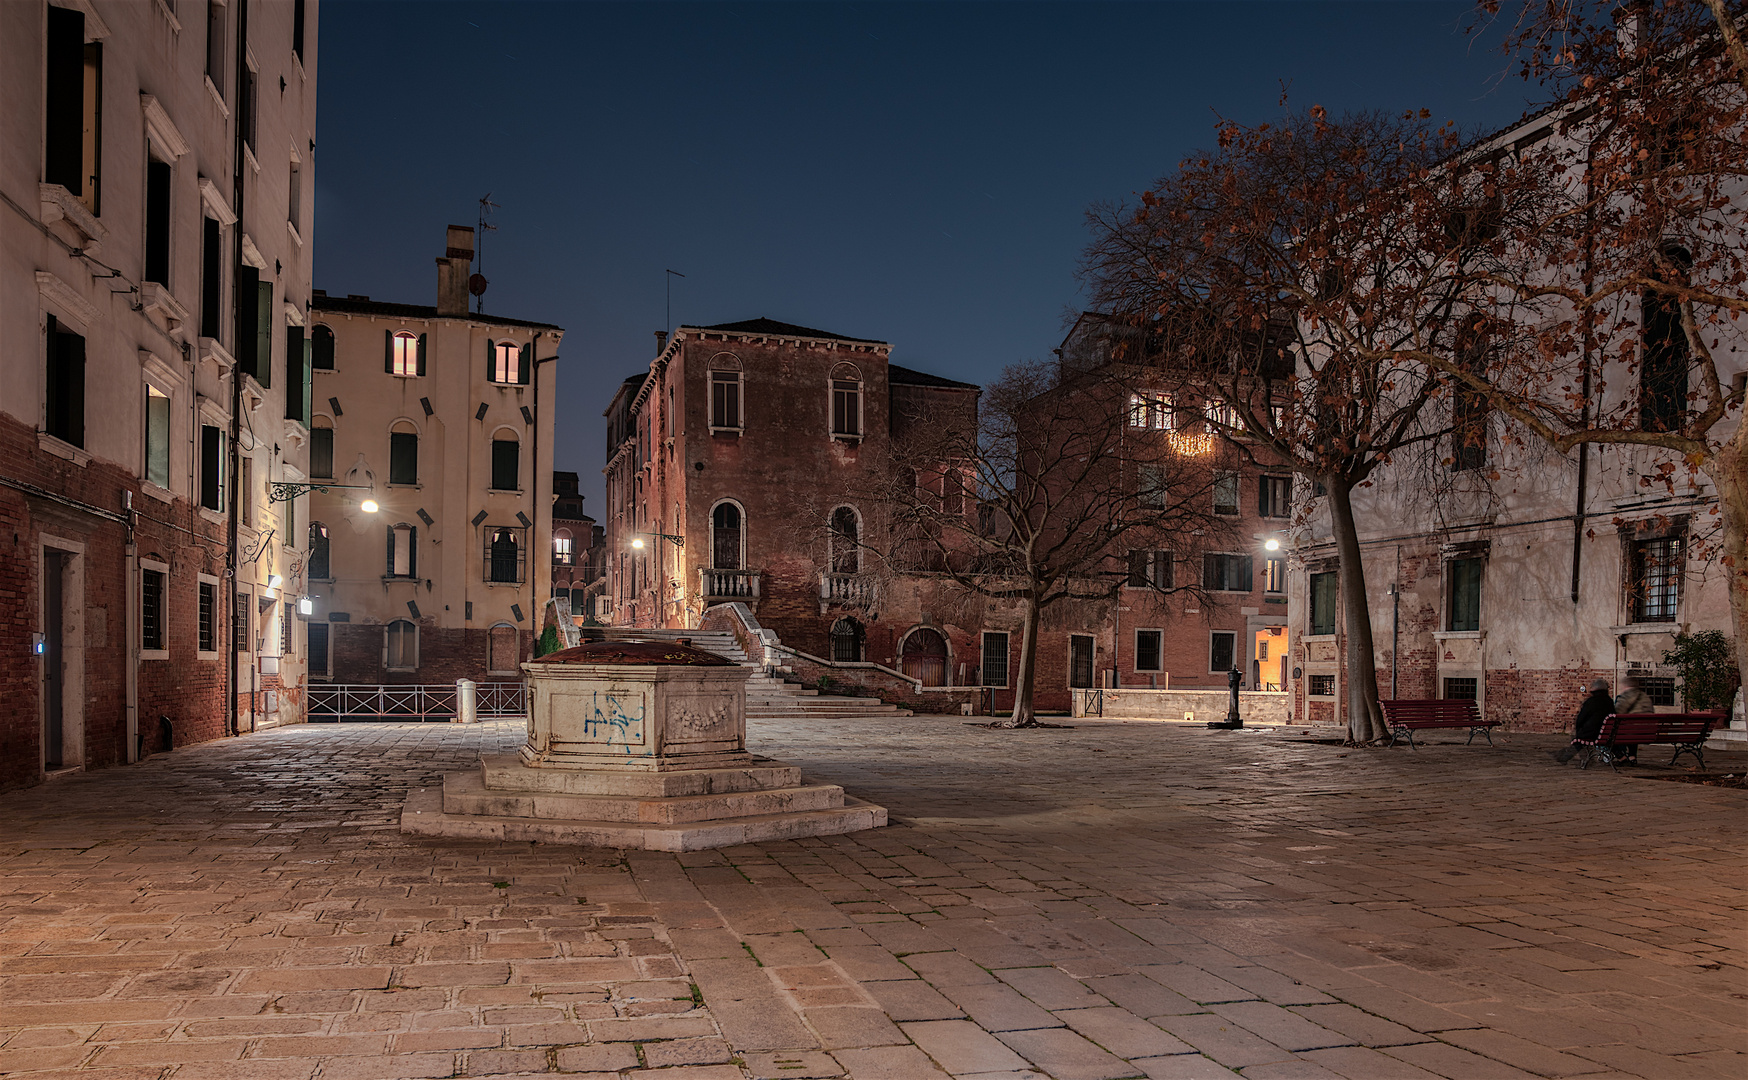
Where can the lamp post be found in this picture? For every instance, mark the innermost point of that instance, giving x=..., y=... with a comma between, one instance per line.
x=287, y=490
x=677, y=541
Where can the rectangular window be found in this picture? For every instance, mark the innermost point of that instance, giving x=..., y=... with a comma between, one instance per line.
x=297, y=375
x=1224, y=417
x=1465, y=594
x=212, y=467
x=562, y=552
x=1150, y=487
x=403, y=458
x=1656, y=579
x=1150, y=570
x=64, y=92
x=254, y=344
x=1663, y=375
x=152, y=610
x=403, y=558
x=294, y=204
x=246, y=106
x=1462, y=689
x=846, y=407
x=157, y=437
x=212, y=262
x=725, y=399
x=1080, y=661
x=1226, y=573
x=995, y=659
x=506, y=464
x=215, y=45
x=1274, y=496
x=1660, y=689
x=322, y=453
x=1274, y=575
x=1149, y=649
x=1225, y=493
x=318, y=557
x=297, y=21
x=64, y=382
x=503, y=555
x=240, y=622
x=318, y=650
x=246, y=490
x=207, y=628
x=157, y=222
x=1151, y=411
x=1321, y=686
x=1222, y=651
x=1323, y=601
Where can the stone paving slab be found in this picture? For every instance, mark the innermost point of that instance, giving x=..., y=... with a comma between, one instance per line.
x=1106, y=900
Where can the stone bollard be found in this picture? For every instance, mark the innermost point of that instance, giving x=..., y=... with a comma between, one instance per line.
x=466, y=702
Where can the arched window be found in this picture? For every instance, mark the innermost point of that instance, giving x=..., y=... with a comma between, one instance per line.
x=924, y=657
x=847, y=638
x=318, y=556
x=405, y=353
x=725, y=392
x=845, y=536
x=403, y=555
x=725, y=537
x=508, y=362
x=322, y=348
x=401, y=646
x=403, y=453
x=506, y=462
x=846, y=402
x=504, y=556
x=322, y=448
x=562, y=552
x=503, y=650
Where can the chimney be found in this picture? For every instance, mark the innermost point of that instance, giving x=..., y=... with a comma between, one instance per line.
x=661, y=341
x=453, y=269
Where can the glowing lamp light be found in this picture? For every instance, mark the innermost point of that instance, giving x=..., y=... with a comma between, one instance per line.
x=369, y=506
x=637, y=542
x=274, y=581
x=306, y=606
x=1272, y=545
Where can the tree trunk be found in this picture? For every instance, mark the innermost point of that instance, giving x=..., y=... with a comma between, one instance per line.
x=1024, y=715
x=1365, y=721
x=1728, y=469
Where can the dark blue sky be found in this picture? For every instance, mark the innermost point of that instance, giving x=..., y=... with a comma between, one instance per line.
x=916, y=173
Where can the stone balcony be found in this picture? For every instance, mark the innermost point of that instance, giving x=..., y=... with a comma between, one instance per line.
x=721, y=586
x=852, y=590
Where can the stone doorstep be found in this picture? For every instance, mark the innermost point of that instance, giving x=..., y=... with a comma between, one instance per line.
x=466, y=793
x=423, y=816
x=505, y=772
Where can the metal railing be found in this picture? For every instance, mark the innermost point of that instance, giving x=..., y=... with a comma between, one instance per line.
x=728, y=584
x=330, y=702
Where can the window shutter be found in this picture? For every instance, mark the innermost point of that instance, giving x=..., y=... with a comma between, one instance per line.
x=308, y=379
x=1262, y=497
x=422, y=338
x=264, y=333
x=1162, y=569
x=1244, y=568
x=491, y=358
x=389, y=566
x=525, y=364
x=1137, y=569
x=295, y=358
x=413, y=551
x=388, y=351
x=72, y=375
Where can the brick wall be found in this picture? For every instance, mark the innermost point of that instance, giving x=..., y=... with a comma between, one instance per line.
x=445, y=655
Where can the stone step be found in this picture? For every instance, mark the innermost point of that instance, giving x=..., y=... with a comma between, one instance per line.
x=424, y=816
x=466, y=793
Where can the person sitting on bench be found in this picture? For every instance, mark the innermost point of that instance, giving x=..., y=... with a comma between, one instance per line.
x=1587, y=725
x=1633, y=699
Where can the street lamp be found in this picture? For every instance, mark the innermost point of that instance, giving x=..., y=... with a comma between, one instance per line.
x=287, y=490
x=661, y=573
x=1272, y=544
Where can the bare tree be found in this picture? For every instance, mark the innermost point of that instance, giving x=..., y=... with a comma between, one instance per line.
x=1296, y=286
x=1042, y=500
x=1618, y=305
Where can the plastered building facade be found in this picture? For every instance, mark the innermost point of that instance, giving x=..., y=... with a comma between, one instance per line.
x=156, y=163
x=444, y=418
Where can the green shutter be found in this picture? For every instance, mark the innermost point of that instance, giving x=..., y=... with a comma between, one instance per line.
x=308, y=379
x=264, y=333
x=388, y=351
x=525, y=364
x=389, y=565
x=422, y=338
x=491, y=356
x=413, y=551
x=295, y=358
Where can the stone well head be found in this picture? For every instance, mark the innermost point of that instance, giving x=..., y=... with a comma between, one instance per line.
x=638, y=706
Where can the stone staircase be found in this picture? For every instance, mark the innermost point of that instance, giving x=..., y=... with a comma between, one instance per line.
x=768, y=698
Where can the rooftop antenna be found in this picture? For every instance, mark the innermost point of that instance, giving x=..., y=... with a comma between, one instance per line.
x=477, y=283
x=672, y=274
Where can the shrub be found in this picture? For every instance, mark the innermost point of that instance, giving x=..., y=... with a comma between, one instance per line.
x=1707, y=662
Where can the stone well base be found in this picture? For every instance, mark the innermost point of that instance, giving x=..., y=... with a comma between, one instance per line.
x=678, y=811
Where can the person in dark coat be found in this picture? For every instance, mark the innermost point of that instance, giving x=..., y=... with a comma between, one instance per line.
x=1588, y=724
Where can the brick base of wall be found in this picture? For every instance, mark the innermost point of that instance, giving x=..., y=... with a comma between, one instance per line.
x=445, y=655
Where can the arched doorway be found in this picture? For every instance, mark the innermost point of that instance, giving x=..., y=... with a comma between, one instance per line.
x=924, y=657
x=847, y=638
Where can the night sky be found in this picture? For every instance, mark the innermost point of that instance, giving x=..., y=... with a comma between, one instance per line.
x=916, y=173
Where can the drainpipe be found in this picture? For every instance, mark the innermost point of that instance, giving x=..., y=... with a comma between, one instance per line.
x=1589, y=338
x=534, y=608
x=131, y=715
x=232, y=550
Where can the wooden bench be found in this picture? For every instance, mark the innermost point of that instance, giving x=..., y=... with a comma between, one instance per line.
x=1405, y=716
x=1686, y=731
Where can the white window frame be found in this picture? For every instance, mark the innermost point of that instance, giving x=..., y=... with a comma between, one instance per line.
x=155, y=566
x=406, y=355
x=506, y=365
x=738, y=378
x=1135, y=651
x=218, y=608
x=1237, y=661
x=846, y=373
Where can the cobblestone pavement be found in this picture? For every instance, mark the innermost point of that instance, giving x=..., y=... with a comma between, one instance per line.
x=1107, y=900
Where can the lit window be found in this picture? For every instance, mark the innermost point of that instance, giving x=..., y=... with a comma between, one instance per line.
x=1150, y=410
x=1274, y=575
x=562, y=552
x=157, y=437
x=404, y=357
x=507, y=363
x=1224, y=417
